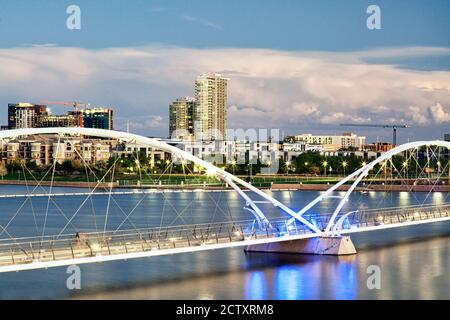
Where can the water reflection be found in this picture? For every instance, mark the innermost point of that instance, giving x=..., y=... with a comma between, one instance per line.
x=410, y=268
x=403, y=198
x=409, y=271
x=256, y=286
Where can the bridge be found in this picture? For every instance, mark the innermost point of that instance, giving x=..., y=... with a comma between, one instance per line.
x=273, y=227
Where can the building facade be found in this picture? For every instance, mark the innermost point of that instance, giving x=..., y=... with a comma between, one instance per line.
x=379, y=146
x=211, y=96
x=60, y=121
x=25, y=115
x=97, y=118
x=345, y=141
x=43, y=150
x=182, y=115
x=134, y=150
x=447, y=137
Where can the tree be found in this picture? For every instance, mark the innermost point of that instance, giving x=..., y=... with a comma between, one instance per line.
x=314, y=170
x=77, y=165
x=67, y=166
x=306, y=160
x=3, y=169
x=14, y=166
x=32, y=165
x=101, y=167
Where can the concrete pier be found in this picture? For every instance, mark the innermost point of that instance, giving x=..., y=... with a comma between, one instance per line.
x=335, y=246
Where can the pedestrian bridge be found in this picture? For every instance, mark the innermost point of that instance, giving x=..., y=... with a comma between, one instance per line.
x=44, y=250
x=35, y=253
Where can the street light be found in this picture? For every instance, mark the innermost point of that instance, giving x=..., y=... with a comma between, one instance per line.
x=233, y=165
x=344, y=165
x=211, y=171
x=325, y=164
x=405, y=168
x=250, y=171
x=288, y=163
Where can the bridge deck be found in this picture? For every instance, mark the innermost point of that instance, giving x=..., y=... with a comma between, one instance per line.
x=33, y=253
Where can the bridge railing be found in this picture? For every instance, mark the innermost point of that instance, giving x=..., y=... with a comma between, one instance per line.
x=28, y=250
x=378, y=217
x=67, y=246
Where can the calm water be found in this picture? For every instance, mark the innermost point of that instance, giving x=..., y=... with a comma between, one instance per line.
x=413, y=261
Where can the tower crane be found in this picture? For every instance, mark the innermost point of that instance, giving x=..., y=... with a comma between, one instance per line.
x=74, y=104
x=394, y=128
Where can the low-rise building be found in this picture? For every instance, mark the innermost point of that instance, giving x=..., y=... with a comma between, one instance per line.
x=134, y=149
x=379, y=146
x=347, y=140
x=43, y=150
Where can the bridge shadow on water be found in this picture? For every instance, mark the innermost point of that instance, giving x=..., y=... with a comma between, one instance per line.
x=246, y=279
x=291, y=276
x=393, y=237
x=404, y=254
x=173, y=286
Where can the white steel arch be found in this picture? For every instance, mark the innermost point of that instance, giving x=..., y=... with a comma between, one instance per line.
x=359, y=174
x=222, y=174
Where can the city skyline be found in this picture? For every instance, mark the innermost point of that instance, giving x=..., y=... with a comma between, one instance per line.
x=303, y=75
x=26, y=115
x=224, y=155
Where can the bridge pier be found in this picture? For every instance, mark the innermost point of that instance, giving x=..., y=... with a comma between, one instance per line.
x=336, y=246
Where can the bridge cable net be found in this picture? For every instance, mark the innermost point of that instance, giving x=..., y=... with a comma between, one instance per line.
x=407, y=185
x=56, y=213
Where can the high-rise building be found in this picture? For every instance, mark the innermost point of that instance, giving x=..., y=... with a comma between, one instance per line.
x=182, y=114
x=447, y=137
x=60, y=121
x=97, y=118
x=211, y=97
x=25, y=115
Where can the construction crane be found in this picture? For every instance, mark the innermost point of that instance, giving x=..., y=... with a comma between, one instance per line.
x=74, y=104
x=394, y=128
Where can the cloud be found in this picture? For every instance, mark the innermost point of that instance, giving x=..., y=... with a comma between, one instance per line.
x=293, y=91
x=202, y=22
x=417, y=116
x=438, y=114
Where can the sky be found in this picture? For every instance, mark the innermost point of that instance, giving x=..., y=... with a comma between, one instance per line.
x=305, y=65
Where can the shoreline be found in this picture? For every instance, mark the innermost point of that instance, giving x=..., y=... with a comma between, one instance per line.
x=273, y=187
